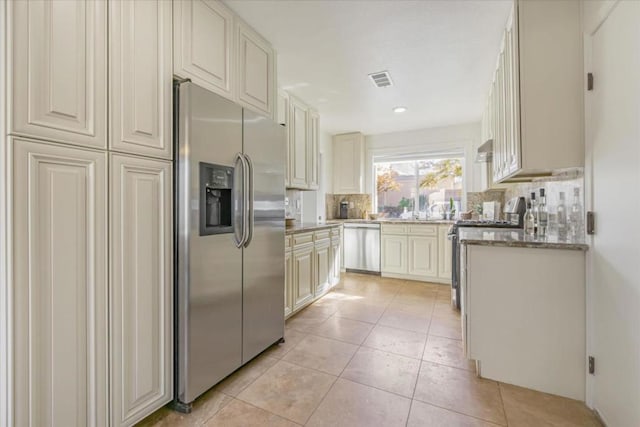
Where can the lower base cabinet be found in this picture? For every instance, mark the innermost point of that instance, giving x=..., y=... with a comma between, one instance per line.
x=312, y=268
x=423, y=256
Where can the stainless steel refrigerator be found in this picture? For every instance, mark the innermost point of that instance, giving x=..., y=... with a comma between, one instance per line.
x=230, y=238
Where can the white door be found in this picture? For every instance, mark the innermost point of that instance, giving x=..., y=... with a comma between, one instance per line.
x=141, y=288
x=613, y=152
x=298, y=145
x=302, y=276
x=444, y=253
x=394, y=254
x=203, y=44
x=256, y=70
x=58, y=77
x=423, y=256
x=59, y=322
x=141, y=77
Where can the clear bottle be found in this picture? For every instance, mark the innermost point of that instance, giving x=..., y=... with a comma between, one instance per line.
x=543, y=217
x=562, y=216
x=575, y=217
x=529, y=221
x=534, y=211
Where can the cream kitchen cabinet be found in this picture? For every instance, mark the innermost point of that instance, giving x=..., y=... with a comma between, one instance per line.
x=336, y=257
x=322, y=266
x=298, y=144
x=282, y=118
x=141, y=287
x=535, y=103
x=140, y=85
x=423, y=256
x=256, y=70
x=288, y=279
x=393, y=253
x=313, y=150
x=303, y=275
x=416, y=252
x=445, y=249
x=58, y=71
x=59, y=275
x=203, y=44
x=348, y=163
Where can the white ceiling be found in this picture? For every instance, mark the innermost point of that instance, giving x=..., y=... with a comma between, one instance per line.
x=441, y=56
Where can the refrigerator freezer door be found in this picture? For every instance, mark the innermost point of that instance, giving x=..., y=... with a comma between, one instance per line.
x=263, y=269
x=209, y=267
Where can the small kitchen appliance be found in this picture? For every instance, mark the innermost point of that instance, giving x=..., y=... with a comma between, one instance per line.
x=344, y=210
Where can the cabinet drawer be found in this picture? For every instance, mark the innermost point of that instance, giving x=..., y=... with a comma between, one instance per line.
x=322, y=234
x=394, y=229
x=287, y=242
x=423, y=230
x=302, y=238
x=335, y=231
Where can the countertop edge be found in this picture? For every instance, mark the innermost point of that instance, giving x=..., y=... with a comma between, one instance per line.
x=535, y=245
x=304, y=228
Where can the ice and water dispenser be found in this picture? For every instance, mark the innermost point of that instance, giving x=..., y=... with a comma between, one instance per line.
x=216, y=199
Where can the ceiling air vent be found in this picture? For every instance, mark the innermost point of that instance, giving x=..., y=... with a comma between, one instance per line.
x=381, y=78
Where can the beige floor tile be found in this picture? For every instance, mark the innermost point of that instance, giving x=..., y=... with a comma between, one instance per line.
x=360, y=311
x=420, y=308
x=288, y=390
x=423, y=415
x=324, y=354
x=205, y=407
x=447, y=351
x=460, y=391
x=239, y=380
x=351, y=405
x=291, y=338
x=404, y=320
x=446, y=326
x=241, y=414
x=415, y=286
x=444, y=309
x=426, y=301
x=309, y=317
x=398, y=341
x=529, y=408
x=342, y=329
x=386, y=371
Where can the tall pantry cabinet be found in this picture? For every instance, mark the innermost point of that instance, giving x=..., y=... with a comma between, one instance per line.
x=89, y=185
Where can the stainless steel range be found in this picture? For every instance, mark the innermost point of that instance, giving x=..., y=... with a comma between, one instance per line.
x=513, y=212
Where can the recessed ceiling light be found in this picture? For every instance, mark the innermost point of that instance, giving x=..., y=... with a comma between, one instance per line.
x=399, y=109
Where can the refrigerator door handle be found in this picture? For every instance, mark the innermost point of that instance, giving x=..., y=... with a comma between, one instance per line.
x=239, y=241
x=249, y=199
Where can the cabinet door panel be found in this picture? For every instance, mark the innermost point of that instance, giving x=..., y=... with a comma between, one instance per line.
x=298, y=145
x=59, y=68
x=302, y=276
x=444, y=253
x=322, y=269
x=141, y=287
x=255, y=71
x=335, y=261
x=348, y=163
x=141, y=77
x=394, y=254
x=59, y=293
x=288, y=294
x=314, y=151
x=423, y=256
x=202, y=44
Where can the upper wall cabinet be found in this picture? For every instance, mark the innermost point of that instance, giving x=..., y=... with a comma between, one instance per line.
x=298, y=144
x=58, y=71
x=203, y=44
x=140, y=77
x=313, y=154
x=535, y=105
x=256, y=70
x=348, y=163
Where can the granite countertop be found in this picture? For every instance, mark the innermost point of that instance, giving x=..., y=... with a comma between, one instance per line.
x=516, y=238
x=302, y=227
x=393, y=221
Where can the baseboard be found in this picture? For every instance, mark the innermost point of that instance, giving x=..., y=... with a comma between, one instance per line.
x=599, y=417
x=436, y=280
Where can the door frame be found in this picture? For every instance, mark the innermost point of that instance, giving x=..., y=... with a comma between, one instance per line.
x=592, y=20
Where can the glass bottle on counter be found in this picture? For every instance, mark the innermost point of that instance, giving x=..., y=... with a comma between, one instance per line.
x=575, y=219
x=543, y=217
x=534, y=211
x=529, y=221
x=562, y=216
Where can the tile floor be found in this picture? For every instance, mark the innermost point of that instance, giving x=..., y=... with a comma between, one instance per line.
x=373, y=352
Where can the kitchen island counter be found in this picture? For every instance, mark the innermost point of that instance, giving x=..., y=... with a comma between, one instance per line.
x=516, y=238
x=393, y=221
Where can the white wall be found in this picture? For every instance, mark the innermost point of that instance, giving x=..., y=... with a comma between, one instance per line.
x=464, y=138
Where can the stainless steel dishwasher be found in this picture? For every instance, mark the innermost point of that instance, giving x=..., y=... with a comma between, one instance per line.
x=362, y=247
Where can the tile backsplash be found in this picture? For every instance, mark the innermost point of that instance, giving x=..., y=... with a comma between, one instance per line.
x=475, y=200
x=359, y=205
